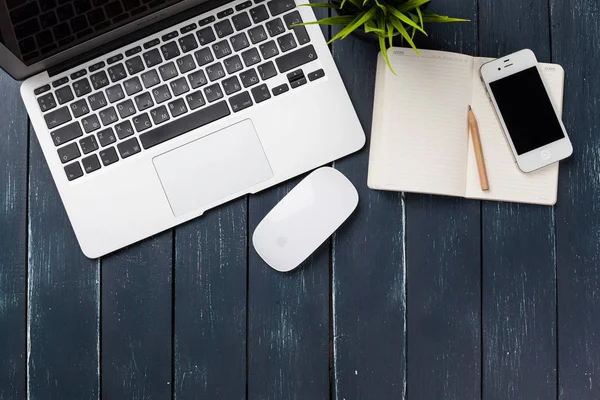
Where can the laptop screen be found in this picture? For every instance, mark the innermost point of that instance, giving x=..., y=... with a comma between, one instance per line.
x=34, y=30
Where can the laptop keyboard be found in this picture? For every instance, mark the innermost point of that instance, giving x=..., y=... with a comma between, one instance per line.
x=167, y=87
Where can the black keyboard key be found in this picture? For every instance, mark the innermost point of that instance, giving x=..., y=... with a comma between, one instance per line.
x=213, y=93
x=108, y=116
x=298, y=82
x=60, y=82
x=126, y=108
x=197, y=79
x=152, y=58
x=277, y=90
x=280, y=6
x=206, y=20
x=90, y=164
x=97, y=101
x=144, y=101
x=225, y=13
x=259, y=14
x=170, y=50
x=221, y=49
x=41, y=90
x=169, y=36
x=132, y=86
x=124, y=130
x=251, y=57
x=185, y=124
x=88, y=144
x=239, y=41
x=294, y=18
x=150, y=79
x=188, y=43
x=161, y=94
x=79, y=108
x=129, y=148
x=195, y=100
x=106, y=137
x=223, y=28
x=168, y=71
x=68, y=153
x=58, y=117
x=269, y=49
x=177, y=108
x=152, y=43
x=204, y=56
x=134, y=65
x=249, y=78
x=275, y=27
x=117, y=72
x=82, y=87
x=78, y=74
x=257, y=34
x=46, y=102
x=179, y=86
x=142, y=122
x=109, y=156
x=286, y=42
x=114, y=59
x=73, y=171
x=186, y=64
x=66, y=133
x=206, y=36
x=240, y=101
x=296, y=58
x=91, y=123
x=159, y=115
x=260, y=93
x=231, y=85
x=267, y=70
x=313, y=76
x=243, y=6
x=133, y=51
x=241, y=21
x=97, y=66
x=215, y=71
x=188, y=28
x=232, y=64
x=99, y=80
x=115, y=93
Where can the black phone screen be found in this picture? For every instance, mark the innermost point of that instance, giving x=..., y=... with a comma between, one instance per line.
x=527, y=110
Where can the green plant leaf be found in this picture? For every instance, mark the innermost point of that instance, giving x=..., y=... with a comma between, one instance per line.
x=320, y=5
x=428, y=17
x=390, y=32
x=381, y=6
x=411, y=5
x=420, y=17
x=405, y=19
x=398, y=25
x=382, y=45
x=333, y=21
x=370, y=27
x=357, y=22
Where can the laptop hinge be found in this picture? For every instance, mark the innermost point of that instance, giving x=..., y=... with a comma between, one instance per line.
x=136, y=35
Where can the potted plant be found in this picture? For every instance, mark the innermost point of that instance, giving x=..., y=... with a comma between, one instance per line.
x=383, y=19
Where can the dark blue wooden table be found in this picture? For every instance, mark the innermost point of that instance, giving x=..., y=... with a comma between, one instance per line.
x=416, y=297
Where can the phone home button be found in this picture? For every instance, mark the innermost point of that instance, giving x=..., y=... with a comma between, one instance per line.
x=545, y=155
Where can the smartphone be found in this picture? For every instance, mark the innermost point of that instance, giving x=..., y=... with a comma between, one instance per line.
x=535, y=133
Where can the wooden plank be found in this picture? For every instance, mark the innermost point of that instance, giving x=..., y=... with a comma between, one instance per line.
x=368, y=274
x=443, y=263
x=136, y=320
x=64, y=296
x=575, y=38
x=210, y=305
x=519, y=265
x=13, y=239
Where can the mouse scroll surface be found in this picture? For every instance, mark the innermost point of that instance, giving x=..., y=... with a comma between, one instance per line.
x=304, y=219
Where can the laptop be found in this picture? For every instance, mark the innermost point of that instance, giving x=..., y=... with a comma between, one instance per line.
x=151, y=112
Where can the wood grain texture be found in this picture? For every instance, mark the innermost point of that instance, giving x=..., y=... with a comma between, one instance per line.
x=576, y=34
x=210, y=305
x=136, y=320
x=519, y=262
x=13, y=240
x=368, y=275
x=64, y=295
x=443, y=262
x=288, y=319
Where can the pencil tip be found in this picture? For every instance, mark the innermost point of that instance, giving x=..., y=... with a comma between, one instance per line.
x=470, y=107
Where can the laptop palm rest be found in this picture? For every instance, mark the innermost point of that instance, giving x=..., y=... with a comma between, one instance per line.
x=212, y=168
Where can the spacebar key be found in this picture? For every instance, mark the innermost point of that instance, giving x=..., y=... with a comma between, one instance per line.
x=297, y=58
x=178, y=127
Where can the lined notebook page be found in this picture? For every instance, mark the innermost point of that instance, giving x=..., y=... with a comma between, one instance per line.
x=419, y=136
x=507, y=182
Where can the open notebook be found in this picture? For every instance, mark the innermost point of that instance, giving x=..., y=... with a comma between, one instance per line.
x=420, y=140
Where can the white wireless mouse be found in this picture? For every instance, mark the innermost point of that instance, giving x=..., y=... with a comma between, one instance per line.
x=304, y=219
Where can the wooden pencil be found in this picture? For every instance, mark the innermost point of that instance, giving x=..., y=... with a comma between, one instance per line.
x=474, y=128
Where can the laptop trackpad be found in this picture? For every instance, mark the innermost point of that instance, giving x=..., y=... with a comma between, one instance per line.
x=214, y=167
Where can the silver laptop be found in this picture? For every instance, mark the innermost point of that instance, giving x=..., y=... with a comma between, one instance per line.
x=150, y=112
